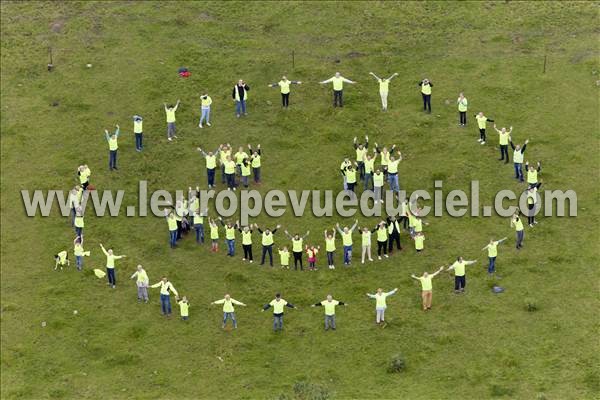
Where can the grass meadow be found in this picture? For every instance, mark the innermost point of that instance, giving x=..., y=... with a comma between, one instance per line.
x=476, y=346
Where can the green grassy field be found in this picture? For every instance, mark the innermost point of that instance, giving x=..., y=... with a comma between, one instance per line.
x=476, y=346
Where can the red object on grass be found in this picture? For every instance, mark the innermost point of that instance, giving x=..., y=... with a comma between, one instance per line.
x=184, y=74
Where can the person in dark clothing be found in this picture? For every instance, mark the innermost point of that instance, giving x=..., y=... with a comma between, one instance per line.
x=482, y=121
x=393, y=233
x=518, y=152
x=426, y=86
x=240, y=95
x=267, y=243
x=284, y=85
x=278, y=305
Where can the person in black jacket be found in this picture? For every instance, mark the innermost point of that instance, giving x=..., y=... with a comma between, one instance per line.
x=394, y=233
x=240, y=95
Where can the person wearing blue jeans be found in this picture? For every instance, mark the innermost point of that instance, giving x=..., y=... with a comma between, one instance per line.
x=393, y=180
x=518, y=152
x=228, y=309
x=346, y=234
x=206, y=101
x=492, y=248
x=166, y=288
x=172, y=223
x=113, y=146
x=199, y=226
x=240, y=95
x=278, y=305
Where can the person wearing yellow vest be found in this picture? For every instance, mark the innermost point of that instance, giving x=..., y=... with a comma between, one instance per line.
x=384, y=85
x=345, y=164
x=74, y=202
x=284, y=85
x=330, y=248
x=462, y=109
x=141, y=281
x=278, y=305
x=382, y=239
x=518, y=152
x=61, y=259
x=460, y=276
x=79, y=253
x=404, y=211
x=246, y=171
x=531, y=202
x=369, y=166
x=214, y=235
x=246, y=232
x=110, y=265
x=492, y=248
x=173, y=228
x=198, y=223
x=365, y=234
x=346, y=235
x=427, y=287
x=240, y=95
x=239, y=158
x=482, y=121
x=229, y=171
x=532, y=174
x=255, y=159
x=84, y=176
x=516, y=222
x=311, y=256
x=228, y=309
x=426, y=86
x=385, y=157
x=393, y=226
x=297, y=245
x=225, y=150
x=380, y=303
x=350, y=175
x=166, y=288
x=361, y=152
x=230, y=229
x=329, y=305
x=267, y=243
x=138, y=131
x=181, y=212
x=338, y=88
x=205, y=102
x=211, y=165
x=79, y=222
x=170, y=113
x=113, y=146
x=392, y=171
x=184, y=308
x=419, y=239
x=503, y=136
x=284, y=257
x=378, y=180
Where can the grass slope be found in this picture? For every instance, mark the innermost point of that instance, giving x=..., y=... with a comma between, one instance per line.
x=475, y=346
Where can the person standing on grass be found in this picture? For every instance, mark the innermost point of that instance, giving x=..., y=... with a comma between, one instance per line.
x=350, y=175
x=284, y=85
x=532, y=174
x=531, y=202
x=419, y=239
x=482, y=121
x=239, y=158
x=228, y=309
x=330, y=248
x=338, y=88
x=240, y=95
x=393, y=172
x=345, y=164
x=492, y=248
x=503, y=137
x=211, y=165
x=404, y=213
x=382, y=239
x=113, y=146
x=61, y=259
x=184, y=308
x=79, y=222
x=278, y=305
x=516, y=222
x=393, y=233
x=79, y=253
x=138, y=131
x=297, y=246
x=255, y=156
x=110, y=265
x=170, y=113
x=385, y=157
x=369, y=163
x=246, y=172
x=74, y=202
x=141, y=281
x=84, y=174
x=384, y=85
x=172, y=224
x=267, y=243
x=462, y=109
x=230, y=229
x=426, y=86
x=329, y=305
x=361, y=152
x=366, y=244
x=346, y=234
x=427, y=287
x=214, y=235
x=205, y=102
x=224, y=151
x=518, y=152
x=284, y=258
x=311, y=256
x=166, y=288
x=380, y=303
x=246, y=241
x=460, y=277
x=229, y=169
x=378, y=179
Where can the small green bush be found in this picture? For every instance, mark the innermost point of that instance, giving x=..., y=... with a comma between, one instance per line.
x=397, y=364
